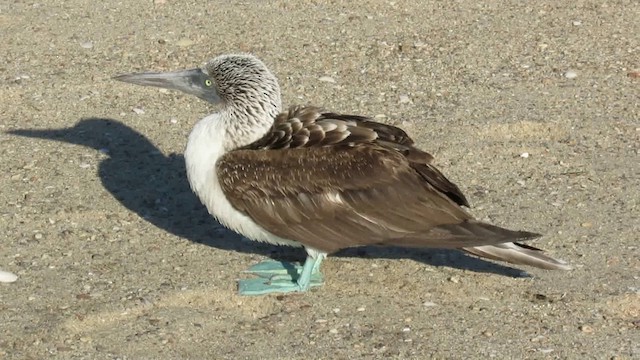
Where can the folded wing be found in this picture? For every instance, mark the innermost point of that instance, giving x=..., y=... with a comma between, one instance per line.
x=347, y=181
x=334, y=197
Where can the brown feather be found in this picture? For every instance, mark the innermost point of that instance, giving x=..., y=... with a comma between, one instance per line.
x=305, y=194
x=348, y=181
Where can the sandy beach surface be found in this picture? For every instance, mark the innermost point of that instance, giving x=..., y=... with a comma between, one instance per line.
x=532, y=108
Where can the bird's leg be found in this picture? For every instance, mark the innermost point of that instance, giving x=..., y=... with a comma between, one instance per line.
x=282, y=277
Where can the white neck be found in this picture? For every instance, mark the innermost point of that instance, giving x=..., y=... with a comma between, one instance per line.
x=209, y=141
x=242, y=129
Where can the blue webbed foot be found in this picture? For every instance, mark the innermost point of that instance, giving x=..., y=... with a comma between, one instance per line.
x=282, y=277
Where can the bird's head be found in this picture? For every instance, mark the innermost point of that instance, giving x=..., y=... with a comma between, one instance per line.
x=240, y=81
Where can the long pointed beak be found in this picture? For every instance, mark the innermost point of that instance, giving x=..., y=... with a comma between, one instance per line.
x=193, y=82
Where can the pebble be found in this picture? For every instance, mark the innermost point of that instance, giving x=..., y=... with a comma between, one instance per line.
x=362, y=308
x=404, y=99
x=454, y=279
x=586, y=329
x=7, y=277
x=336, y=310
x=185, y=42
x=524, y=155
x=138, y=111
x=429, y=304
x=333, y=331
x=571, y=74
x=87, y=44
x=328, y=79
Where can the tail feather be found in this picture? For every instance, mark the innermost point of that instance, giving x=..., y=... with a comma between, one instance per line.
x=487, y=241
x=519, y=254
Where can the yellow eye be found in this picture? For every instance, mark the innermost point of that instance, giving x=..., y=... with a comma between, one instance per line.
x=208, y=82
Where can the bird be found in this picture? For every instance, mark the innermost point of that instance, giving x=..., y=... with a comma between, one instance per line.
x=325, y=181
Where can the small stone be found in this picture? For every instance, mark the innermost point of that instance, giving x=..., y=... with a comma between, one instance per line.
x=586, y=329
x=87, y=44
x=404, y=99
x=429, y=304
x=487, y=333
x=327, y=79
x=173, y=120
x=570, y=74
x=577, y=23
x=336, y=310
x=406, y=329
x=361, y=308
x=586, y=224
x=333, y=331
x=138, y=111
x=454, y=279
x=321, y=321
x=634, y=74
x=524, y=155
x=537, y=338
x=185, y=42
x=7, y=277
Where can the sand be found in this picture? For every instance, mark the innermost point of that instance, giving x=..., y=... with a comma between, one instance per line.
x=117, y=259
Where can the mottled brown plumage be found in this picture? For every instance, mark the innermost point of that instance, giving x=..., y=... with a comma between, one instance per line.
x=334, y=181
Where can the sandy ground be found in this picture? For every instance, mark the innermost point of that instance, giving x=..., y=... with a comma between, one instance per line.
x=118, y=260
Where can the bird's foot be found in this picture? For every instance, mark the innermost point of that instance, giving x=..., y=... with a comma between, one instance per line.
x=280, y=277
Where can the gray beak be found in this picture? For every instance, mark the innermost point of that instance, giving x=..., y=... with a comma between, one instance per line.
x=194, y=82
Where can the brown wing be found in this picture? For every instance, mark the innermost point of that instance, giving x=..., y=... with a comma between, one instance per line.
x=334, y=197
x=311, y=127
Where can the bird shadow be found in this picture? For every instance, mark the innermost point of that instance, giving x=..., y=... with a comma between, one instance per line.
x=155, y=187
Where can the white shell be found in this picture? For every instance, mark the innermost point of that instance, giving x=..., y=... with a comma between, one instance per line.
x=7, y=277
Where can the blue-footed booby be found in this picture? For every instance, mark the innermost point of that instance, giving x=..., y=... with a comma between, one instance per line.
x=318, y=179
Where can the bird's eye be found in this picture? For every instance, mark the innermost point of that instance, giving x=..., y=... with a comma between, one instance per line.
x=208, y=82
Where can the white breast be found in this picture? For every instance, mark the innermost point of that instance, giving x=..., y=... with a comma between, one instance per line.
x=204, y=148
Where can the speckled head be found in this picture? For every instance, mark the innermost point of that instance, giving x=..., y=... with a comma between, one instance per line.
x=242, y=79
